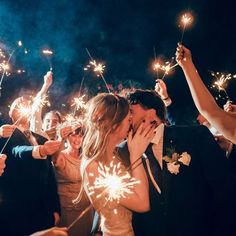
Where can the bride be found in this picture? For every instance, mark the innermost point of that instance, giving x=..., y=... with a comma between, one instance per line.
x=107, y=123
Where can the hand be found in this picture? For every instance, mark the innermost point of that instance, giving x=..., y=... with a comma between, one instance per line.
x=3, y=158
x=55, y=231
x=48, y=79
x=6, y=130
x=56, y=218
x=65, y=131
x=137, y=143
x=229, y=107
x=49, y=147
x=161, y=89
x=183, y=55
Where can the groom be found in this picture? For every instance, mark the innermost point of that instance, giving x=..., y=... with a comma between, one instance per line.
x=192, y=194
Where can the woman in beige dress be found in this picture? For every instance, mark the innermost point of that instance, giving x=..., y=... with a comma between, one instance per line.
x=67, y=166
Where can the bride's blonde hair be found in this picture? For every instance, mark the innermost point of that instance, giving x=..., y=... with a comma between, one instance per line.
x=105, y=112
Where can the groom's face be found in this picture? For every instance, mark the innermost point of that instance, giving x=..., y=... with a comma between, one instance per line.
x=138, y=115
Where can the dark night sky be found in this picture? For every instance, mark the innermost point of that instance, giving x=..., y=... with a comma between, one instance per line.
x=122, y=33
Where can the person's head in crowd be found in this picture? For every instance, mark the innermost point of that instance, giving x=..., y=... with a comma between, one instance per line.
x=146, y=105
x=50, y=121
x=107, y=123
x=75, y=139
x=20, y=111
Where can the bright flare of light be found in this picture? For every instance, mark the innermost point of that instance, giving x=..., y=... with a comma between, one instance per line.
x=24, y=110
x=4, y=66
x=40, y=102
x=47, y=52
x=166, y=67
x=221, y=79
x=114, y=182
x=98, y=68
x=186, y=19
x=79, y=103
x=19, y=43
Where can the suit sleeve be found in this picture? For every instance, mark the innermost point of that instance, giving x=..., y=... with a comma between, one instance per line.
x=53, y=194
x=22, y=152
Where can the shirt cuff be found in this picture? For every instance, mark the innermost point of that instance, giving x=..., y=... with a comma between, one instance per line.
x=36, y=153
x=167, y=101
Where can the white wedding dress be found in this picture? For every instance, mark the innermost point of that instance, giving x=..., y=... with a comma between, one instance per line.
x=116, y=220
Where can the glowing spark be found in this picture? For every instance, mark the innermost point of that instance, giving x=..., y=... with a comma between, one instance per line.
x=40, y=102
x=4, y=66
x=114, y=181
x=24, y=110
x=19, y=71
x=221, y=81
x=19, y=43
x=47, y=52
x=186, y=19
x=166, y=67
x=98, y=68
x=79, y=102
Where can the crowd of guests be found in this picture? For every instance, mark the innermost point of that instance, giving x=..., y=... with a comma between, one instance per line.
x=186, y=175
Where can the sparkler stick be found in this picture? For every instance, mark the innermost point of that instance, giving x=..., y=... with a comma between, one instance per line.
x=48, y=53
x=99, y=68
x=186, y=19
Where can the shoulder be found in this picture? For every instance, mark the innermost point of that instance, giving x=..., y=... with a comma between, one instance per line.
x=60, y=160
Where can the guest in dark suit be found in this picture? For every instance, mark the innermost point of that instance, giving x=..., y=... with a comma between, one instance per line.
x=28, y=190
x=192, y=194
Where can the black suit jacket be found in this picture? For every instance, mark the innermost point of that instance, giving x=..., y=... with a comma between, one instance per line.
x=28, y=189
x=200, y=199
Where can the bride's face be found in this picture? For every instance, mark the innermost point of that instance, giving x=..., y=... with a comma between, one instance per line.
x=122, y=130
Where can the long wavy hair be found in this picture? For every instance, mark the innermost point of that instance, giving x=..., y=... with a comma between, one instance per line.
x=105, y=113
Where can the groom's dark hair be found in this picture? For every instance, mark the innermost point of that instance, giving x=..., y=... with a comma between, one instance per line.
x=148, y=99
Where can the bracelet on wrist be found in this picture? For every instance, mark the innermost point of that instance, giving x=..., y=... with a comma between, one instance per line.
x=165, y=98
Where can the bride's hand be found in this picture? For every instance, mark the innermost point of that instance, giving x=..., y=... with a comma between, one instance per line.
x=138, y=142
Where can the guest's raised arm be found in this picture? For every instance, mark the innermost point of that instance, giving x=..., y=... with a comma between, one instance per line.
x=224, y=122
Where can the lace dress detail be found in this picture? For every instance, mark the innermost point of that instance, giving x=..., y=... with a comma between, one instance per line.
x=116, y=220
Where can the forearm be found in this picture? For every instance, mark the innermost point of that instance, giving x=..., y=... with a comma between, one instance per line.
x=138, y=172
x=203, y=100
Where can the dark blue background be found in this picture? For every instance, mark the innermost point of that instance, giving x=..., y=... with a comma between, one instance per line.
x=122, y=33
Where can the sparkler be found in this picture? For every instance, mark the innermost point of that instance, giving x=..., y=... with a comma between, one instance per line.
x=98, y=68
x=39, y=102
x=221, y=81
x=186, y=20
x=48, y=54
x=114, y=182
x=79, y=103
x=4, y=66
x=166, y=67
